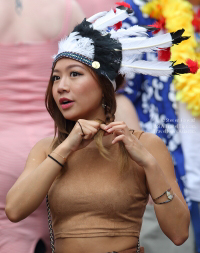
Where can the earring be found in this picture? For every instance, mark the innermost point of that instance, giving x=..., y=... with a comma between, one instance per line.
x=103, y=103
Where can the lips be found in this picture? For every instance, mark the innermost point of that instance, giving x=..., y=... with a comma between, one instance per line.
x=66, y=103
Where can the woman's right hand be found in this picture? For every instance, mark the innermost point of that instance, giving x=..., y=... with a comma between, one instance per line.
x=80, y=138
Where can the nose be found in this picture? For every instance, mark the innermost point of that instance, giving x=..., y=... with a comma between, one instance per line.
x=63, y=85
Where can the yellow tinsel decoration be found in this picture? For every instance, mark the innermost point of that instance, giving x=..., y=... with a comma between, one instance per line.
x=179, y=14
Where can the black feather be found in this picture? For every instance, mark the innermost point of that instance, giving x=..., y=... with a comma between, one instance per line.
x=180, y=69
x=121, y=7
x=104, y=50
x=150, y=28
x=177, y=37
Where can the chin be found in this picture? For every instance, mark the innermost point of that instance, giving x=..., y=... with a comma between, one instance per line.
x=73, y=116
x=80, y=116
x=70, y=114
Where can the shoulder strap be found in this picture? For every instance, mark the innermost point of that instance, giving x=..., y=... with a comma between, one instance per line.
x=50, y=226
x=137, y=133
x=138, y=246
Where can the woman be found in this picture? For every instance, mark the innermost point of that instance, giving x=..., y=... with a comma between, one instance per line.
x=97, y=199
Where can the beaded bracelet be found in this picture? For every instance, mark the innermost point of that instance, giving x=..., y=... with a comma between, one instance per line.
x=56, y=160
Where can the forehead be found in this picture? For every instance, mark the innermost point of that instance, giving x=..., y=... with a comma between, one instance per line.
x=64, y=63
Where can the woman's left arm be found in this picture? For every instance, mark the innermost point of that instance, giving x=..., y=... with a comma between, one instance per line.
x=173, y=216
x=151, y=153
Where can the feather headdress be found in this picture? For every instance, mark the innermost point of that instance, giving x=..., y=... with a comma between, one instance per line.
x=111, y=52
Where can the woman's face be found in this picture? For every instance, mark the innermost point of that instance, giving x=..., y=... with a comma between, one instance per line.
x=76, y=91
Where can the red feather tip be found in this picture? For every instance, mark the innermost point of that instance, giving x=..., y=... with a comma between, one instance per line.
x=123, y=4
x=164, y=54
x=118, y=25
x=160, y=24
x=196, y=21
x=193, y=66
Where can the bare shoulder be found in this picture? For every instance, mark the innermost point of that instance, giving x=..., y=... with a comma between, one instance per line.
x=41, y=149
x=45, y=145
x=39, y=152
x=151, y=139
x=37, y=155
x=157, y=148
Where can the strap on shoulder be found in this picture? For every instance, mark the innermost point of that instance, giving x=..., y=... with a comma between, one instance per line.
x=137, y=133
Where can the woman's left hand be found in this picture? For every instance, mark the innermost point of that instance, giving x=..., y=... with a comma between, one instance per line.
x=136, y=150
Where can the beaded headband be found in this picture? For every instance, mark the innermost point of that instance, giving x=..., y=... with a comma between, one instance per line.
x=119, y=51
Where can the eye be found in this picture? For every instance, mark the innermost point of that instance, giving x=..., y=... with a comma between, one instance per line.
x=55, y=78
x=74, y=74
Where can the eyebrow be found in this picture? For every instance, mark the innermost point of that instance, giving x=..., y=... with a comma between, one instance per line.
x=69, y=67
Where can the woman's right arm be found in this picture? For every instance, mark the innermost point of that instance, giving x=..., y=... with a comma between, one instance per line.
x=40, y=171
x=32, y=186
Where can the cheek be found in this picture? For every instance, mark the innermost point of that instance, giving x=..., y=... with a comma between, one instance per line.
x=89, y=90
x=90, y=86
x=54, y=94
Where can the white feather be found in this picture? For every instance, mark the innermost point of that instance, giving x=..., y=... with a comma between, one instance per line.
x=148, y=45
x=96, y=16
x=131, y=40
x=132, y=31
x=146, y=68
x=130, y=58
x=126, y=54
x=77, y=44
x=110, y=19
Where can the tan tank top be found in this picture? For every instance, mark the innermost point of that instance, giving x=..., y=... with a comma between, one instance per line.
x=91, y=198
